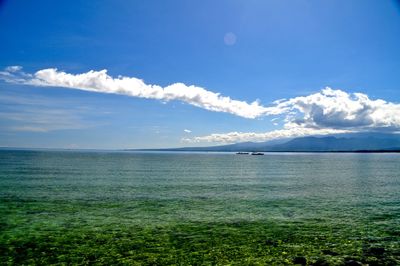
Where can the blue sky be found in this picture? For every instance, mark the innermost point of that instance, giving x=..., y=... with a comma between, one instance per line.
x=244, y=50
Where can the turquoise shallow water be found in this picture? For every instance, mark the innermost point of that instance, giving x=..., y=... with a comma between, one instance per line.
x=198, y=208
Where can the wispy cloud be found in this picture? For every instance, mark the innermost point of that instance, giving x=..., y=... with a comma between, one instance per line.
x=41, y=119
x=32, y=113
x=187, y=131
x=12, y=69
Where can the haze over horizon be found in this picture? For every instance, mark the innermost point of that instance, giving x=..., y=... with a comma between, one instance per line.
x=156, y=75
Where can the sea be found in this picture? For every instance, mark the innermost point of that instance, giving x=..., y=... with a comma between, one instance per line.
x=183, y=208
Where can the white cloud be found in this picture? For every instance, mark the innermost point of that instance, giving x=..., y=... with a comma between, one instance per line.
x=187, y=131
x=13, y=69
x=14, y=74
x=234, y=137
x=325, y=112
x=100, y=81
x=340, y=110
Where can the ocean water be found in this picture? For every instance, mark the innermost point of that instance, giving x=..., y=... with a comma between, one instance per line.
x=74, y=207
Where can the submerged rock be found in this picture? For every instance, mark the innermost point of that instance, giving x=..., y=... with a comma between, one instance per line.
x=300, y=260
x=376, y=251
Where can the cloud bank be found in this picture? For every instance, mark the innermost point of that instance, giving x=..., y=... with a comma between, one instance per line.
x=234, y=137
x=341, y=110
x=328, y=111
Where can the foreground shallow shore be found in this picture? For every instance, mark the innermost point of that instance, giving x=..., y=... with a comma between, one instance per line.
x=110, y=240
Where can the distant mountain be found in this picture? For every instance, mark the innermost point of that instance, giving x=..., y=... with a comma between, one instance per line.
x=338, y=143
x=332, y=143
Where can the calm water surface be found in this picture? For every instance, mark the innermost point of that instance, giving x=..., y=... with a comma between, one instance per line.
x=307, y=205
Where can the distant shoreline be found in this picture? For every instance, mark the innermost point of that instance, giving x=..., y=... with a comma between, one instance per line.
x=183, y=150
x=292, y=151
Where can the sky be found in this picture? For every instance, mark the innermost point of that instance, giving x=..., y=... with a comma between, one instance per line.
x=154, y=74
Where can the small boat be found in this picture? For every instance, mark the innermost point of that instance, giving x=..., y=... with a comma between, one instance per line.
x=242, y=153
x=257, y=153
